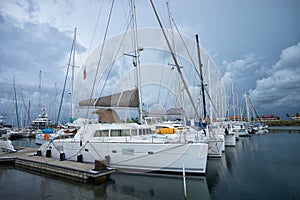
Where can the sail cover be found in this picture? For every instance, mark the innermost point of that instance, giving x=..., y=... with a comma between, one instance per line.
x=128, y=98
x=107, y=116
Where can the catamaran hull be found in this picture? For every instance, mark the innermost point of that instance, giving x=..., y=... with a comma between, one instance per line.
x=135, y=157
x=230, y=140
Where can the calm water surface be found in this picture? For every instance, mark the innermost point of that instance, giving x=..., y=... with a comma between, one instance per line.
x=259, y=167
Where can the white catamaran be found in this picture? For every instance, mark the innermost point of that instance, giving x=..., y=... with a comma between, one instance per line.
x=128, y=146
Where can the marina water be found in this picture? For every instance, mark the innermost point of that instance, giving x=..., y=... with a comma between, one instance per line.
x=259, y=167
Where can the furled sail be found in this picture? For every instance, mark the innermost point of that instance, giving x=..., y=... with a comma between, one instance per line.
x=128, y=98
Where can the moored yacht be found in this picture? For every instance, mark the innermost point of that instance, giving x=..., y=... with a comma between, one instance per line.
x=42, y=121
x=130, y=147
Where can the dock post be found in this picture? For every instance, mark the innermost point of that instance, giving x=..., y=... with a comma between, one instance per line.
x=62, y=156
x=48, y=153
x=79, y=158
x=39, y=152
x=107, y=160
x=100, y=165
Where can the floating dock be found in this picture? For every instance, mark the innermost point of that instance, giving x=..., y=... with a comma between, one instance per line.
x=84, y=172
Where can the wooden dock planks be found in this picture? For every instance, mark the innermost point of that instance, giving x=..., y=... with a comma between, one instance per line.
x=84, y=172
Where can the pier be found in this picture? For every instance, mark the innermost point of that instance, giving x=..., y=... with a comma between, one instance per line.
x=84, y=172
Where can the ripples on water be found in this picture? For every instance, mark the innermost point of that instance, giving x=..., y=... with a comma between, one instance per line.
x=260, y=167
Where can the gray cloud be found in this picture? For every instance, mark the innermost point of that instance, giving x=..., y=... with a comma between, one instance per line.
x=243, y=72
x=25, y=50
x=280, y=89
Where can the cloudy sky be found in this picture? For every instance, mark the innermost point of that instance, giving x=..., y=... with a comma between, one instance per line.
x=255, y=44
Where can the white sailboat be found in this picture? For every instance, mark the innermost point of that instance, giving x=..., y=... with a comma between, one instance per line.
x=128, y=146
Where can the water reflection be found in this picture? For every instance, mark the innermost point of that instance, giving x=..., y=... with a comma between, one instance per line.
x=145, y=186
x=260, y=167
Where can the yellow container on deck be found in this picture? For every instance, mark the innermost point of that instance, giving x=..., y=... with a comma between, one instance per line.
x=166, y=130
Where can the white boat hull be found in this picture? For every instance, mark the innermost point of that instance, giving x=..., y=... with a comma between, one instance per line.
x=215, y=146
x=230, y=140
x=145, y=157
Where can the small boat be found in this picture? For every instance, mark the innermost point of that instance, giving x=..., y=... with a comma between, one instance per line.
x=6, y=144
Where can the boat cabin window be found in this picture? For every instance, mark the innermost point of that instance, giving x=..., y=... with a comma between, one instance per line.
x=133, y=132
x=117, y=133
x=125, y=132
x=144, y=131
x=101, y=133
x=149, y=131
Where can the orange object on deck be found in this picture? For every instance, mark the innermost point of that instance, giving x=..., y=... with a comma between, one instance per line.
x=46, y=137
x=169, y=130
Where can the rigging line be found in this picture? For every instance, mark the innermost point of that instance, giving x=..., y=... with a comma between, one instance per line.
x=127, y=14
x=100, y=56
x=96, y=152
x=72, y=156
x=49, y=143
x=80, y=59
x=194, y=65
x=174, y=58
x=186, y=48
x=22, y=98
x=97, y=69
x=114, y=60
x=256, y=113
x=190, y=57
x=180, y=92
x=16, y=103
x=168, y=93
x=161, y=77
x=194, y=84
x=4, y=111
x=95, y=29
x=65, y=82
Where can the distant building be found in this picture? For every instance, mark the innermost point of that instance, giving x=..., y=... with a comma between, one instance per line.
x=296, y=116
x=269, y=118
x=236, y=118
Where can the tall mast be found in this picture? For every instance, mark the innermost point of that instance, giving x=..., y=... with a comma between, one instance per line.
x=201, y=78
x=174, y=59
x=210, y=92
x=40, y=94
x=55, y=91
x=137, y=61
x=72, y=78
x=247, y=108
x=16, y=102
x=233, y=101
x=174, y=48
x=65, y=82
x=28, y=114
x=39, y=88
